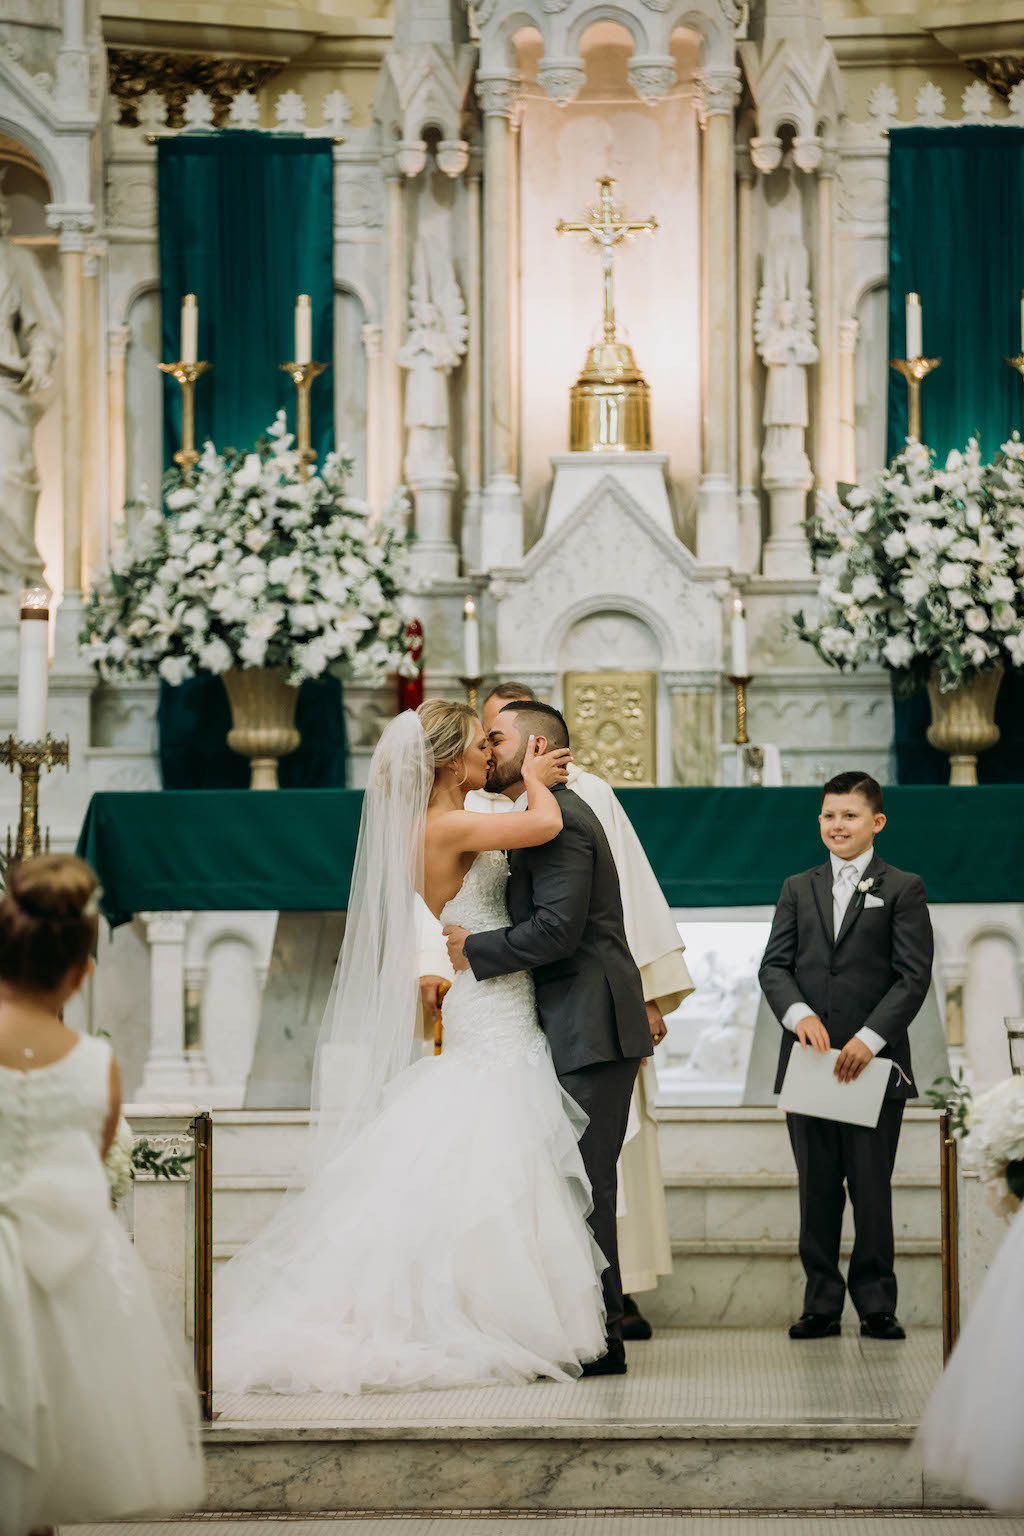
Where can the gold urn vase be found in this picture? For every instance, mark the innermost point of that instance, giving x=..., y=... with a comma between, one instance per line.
x=963, y=722
x=610, y=403
x=263, y=711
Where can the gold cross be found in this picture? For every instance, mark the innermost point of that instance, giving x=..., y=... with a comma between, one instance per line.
x=607, y=228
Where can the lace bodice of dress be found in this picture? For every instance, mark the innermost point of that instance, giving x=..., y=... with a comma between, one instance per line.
x=490, y=1021
x=49, y=1109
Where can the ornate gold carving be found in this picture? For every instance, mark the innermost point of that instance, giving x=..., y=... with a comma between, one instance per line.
x=131, y=72
x=1002, y=71
x=611, y=717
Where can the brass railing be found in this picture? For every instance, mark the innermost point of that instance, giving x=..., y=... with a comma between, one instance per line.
x=202, y=1173
x=950, y=1236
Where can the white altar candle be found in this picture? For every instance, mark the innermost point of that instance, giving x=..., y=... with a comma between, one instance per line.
x=189, y=329
x=33, y=665
x=303, y=329
x=739, y=640
x=470, y=640
x=915, y=344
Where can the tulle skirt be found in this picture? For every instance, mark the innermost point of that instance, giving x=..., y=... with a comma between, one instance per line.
x=972, y=1434
x=114, y=1423
x=446, y=1246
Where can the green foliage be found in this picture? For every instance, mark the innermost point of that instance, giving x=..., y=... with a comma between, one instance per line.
x=162, y=1165
x=952, y=1094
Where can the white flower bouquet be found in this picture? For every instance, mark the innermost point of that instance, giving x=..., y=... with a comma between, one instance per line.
x=993, y=1147
x=923, y=568
x=252, y=566
x=118, y=1164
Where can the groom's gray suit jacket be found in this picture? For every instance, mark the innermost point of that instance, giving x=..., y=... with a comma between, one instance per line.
x=566, y=911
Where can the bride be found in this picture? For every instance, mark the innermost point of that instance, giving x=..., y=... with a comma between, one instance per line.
x=440, y=1239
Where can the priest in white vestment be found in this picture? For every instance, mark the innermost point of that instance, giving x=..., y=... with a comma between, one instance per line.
x=645, y=1249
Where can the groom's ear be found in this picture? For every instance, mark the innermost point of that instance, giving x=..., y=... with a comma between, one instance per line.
x=542, y=744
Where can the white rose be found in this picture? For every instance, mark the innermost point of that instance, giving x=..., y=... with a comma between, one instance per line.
x=896, y=546
x=864, y=588
x=951, y=574
x=914, y=589
x=976, y=651
x=175, y=669
x=257, y=538
x=216, y=657
x=252, y=583
x=963, y=549
x=1015, y=645
x=898, y=651
x=919, y=535
x=954, y=460
x=960, y=599
x=252, y=651
x=864, y=519
x=303, y=617
x=249, y=473
x=200, y=554
x=298, y=586
x=976, y=619
x=1001, y=589
x=281, y=569
x=177, y=501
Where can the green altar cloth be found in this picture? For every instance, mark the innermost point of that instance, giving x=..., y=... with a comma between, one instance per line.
x=292, y=850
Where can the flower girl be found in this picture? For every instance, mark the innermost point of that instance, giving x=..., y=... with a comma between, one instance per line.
x=97, y=1418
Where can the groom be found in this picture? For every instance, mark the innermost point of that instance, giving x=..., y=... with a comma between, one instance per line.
x=567, y=929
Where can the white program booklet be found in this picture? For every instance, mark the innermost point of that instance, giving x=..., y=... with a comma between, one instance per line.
x=811, y=1087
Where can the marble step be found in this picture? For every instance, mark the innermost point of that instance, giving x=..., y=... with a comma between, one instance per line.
x=710, y=1420
x=729, y=1284
x=695, y=1522
x=753, y=1141
x=741, y=1206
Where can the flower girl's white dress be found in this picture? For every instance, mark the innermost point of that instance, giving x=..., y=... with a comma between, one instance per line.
x=446, y=1245
x=97, y=1417
x=972, y=1434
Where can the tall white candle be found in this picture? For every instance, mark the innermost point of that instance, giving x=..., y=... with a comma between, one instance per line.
x=189, y=329
x=470, y=640
x=739, y=640
x=33, y=665
x=915, y=343
x=303, y=329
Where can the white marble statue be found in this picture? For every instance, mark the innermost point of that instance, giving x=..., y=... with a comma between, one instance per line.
x=435, y=343
x=784, y=332
x=29, y=327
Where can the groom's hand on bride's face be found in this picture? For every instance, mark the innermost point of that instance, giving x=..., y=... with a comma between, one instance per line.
x=456, y=940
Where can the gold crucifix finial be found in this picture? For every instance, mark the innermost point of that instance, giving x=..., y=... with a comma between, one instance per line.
x=607, y=228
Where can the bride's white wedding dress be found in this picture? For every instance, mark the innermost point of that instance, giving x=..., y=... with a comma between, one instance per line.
x=446, y=1244
x=972, y=1434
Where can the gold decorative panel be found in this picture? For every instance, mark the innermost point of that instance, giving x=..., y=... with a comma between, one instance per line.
x=131, y=72
x=611, y=719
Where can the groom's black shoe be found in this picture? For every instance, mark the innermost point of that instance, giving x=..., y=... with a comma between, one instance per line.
x=816, y=1325
x=634, y=1325
x=611, y=1363
x=881, y=1325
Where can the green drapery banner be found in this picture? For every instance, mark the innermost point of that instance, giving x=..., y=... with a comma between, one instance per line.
x=246, y=224
x=292, y=851
x=956, y=237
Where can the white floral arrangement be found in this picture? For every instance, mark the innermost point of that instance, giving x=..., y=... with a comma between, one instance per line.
x=993, y=1147
x=119, y=1166
x=250, y=565
x=923, y=568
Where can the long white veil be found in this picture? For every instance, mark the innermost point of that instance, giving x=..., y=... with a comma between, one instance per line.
x=369, y=1031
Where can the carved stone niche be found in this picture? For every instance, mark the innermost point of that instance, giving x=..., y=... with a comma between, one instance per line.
x=131, y=72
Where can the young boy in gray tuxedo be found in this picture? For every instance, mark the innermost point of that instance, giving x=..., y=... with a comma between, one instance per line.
x=848, y=965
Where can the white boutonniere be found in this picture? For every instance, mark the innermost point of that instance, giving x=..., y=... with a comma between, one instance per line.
x=866, y=885
x=865, y=888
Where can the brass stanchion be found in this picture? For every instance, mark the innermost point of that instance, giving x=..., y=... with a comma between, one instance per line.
x=202, y=1192
x=31, y=757
x=302, y=376
x=950, y=1235
x=186, y=375
x=443, y=988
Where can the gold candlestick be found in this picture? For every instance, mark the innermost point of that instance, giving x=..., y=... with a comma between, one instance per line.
x=1016, y=362
x=31, y=757
x=914, y=369
x=186, y=375
x=302, y=376
x=740, y=685
x=472, y=687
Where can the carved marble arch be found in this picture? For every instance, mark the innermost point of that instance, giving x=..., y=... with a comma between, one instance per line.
x=24, y=148
x=605, y=606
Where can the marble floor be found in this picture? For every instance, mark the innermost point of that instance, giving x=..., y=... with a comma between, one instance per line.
x=715, y=1377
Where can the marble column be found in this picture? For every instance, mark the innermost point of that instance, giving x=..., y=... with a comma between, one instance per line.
x=73, y=60
x=849, y=331
x=118, y=341
x=167, y=1075
x=826, y=447
x=501, y=530
x=748, y=500
x=377, y=420
x=717, y=519
x=394, y=328
x=95, y=516
x=473, y=413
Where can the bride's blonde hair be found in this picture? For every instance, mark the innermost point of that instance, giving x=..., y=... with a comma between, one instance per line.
x=449, y=729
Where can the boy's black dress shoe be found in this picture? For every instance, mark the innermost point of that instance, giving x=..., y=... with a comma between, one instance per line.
x=881, y=1325
x=634, y=1325
x=816, y=1325
x=611, y=1363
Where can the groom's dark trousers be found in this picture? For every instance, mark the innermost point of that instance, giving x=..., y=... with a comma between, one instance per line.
x=567, y=929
